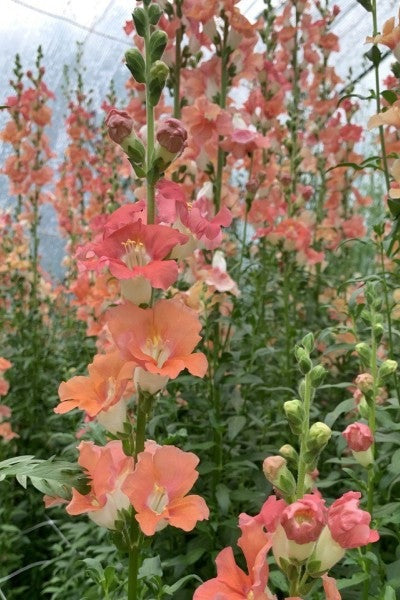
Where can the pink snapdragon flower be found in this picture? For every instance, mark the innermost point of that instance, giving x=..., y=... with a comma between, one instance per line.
x=347, y=527
x=171, y=135
x=158, y=489
x=107, y=467
x=360, y=439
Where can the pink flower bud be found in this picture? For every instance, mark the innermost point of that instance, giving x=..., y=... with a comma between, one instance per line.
x=172, y=135
x=348, y=524
x=304, y=519
x=272, y=466
x=119, y=124
x=365, y=382
x=358, y=437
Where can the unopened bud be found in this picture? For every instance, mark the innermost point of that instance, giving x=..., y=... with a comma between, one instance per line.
x=308, y=342
x=140, y=20
x=365, y=382
x=172, y=136
x=360, y=439
x=155, y=12
x=378, y=331
x=289, y=453
x=364, y=351
x=294, y=412
x=318, y=437
x=136, y=65
x=119, y=124
x=277, y=473
x=157, y=44
x=387, y=368
x=303, y=359
x=317, y=375
x=158, y=77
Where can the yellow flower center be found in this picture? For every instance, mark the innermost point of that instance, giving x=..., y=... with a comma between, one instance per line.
x=156, y=349
x=135, y=254
x=158, y=499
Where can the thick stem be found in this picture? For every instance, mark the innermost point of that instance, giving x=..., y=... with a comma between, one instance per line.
x=302, y=468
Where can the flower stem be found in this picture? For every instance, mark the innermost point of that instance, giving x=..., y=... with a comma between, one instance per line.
x=301, y=474
x=178, y=63
x=150, y=129
x=222, y=103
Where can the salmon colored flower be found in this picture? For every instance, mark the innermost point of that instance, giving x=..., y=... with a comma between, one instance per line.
x=101, y=394
x=157, y=489
x=391, y=116
x=358, y=436
x=119, y=124
x=107, y=468
x=206, y=121
x=232, y=583
x=136, y=251
x=6, y=432
x=160, y=340
x=389, y=37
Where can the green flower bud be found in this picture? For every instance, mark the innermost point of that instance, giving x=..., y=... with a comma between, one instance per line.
x=140, y=20
x=364, y=352
x=318, y=437
x=158, y=77
x=387, y=368
x=154, y=13
x=303, y=359
x=158, y=41
x=317, y=376
x=136, y=65
x=134, y=148
x=378, y=331
x=289, y=453
x=294, y=412
x=308, y=342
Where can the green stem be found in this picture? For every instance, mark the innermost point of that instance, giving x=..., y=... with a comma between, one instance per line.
x=302, y=468
x=286, y=318
x=143, y=407
x=222, y=103
x=150, y=131
x=178, y=64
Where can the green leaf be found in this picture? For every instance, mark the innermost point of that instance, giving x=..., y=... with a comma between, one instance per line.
x=52, y=477
x=223, y=496
x=151, y=567
x=171, y=589
x=343, y=407
x=390, y=96
x=374, y=54
x=354, y=580
x=366, y=4
x=235, y=425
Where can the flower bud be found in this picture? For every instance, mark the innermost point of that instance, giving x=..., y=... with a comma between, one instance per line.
x=289, y=453
x=119, y=124
x=155, y=12
x=360, y=439
x=364, y=351
x=172, y=135
x=136, y=65
x=277, y=473
x=318, y=437
x=378, y=331
x=303, y=359
x=365, y=382
x=140, y=20
x=158, y=77
x=387, y=368
x=294, y=412
x=308, y=342
x=317, y=375
x=157, y=44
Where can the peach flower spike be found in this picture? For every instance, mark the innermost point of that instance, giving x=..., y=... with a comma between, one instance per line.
x=157, y=489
